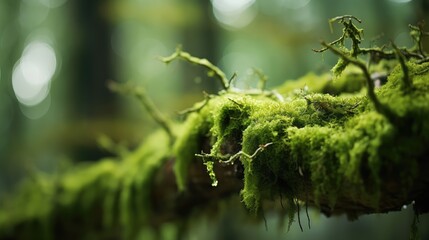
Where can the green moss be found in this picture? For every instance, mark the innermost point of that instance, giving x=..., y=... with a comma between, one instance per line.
x=229, y=122
x=297, y=131
x=313, y=82
x=341, y=65
x=350, y=81
x=341, y=142
x=189, y=142
x=334, y=145
x=210, y=170
x=336, y=154
x=119, y=189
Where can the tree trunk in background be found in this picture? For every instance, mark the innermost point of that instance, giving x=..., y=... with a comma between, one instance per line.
x=94, y=64
x=90, y=99
x=12, y=40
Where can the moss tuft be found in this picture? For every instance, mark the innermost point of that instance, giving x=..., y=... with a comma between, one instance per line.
x=189, y=142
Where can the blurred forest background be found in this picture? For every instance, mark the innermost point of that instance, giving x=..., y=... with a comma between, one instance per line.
x=57, y=56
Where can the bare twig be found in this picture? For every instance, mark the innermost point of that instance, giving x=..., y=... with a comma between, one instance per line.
x=406, y=78
x=262, y=78
x=207, y=98
x=417, y=34
x=219, y=74
x=231, y=159
x=349, y=31
x=232, y=78
x=235, y=102
x=370, y=84
x=150, y=107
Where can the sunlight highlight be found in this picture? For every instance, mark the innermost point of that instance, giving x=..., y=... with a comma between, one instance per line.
x=32, y=73
x=235, y=14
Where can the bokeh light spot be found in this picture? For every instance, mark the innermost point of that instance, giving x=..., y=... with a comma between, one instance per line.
x=235, y=14
x=38, y=63
x=32, y=74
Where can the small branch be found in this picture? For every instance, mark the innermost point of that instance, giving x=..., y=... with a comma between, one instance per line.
x=150, y=107
x=213, y=70
x=355, y=34
x=417, y=34
x=370, y=84
x=233, y=77
x=262, y=78
x=349, y=31
x=331, y=43
x=342, y=19
x=406, y=78
x=187, y=111
x=376, y=54
x=231, y=160
x=208, y=160
x=236, y=103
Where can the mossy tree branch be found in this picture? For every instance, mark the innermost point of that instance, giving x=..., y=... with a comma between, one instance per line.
x=376, y=53
x=347, y=162
x=351, y=57
x=333, y=153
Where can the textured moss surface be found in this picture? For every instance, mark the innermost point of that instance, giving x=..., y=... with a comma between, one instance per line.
x=341, y=142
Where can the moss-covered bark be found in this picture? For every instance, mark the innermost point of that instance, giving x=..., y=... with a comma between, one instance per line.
x=336, y=153
x=323, y=146
x=308, y=142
